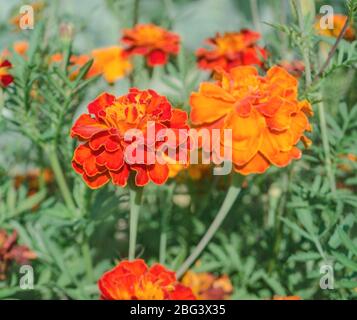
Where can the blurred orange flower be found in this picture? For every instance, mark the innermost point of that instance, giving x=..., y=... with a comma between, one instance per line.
x=286, y=298
x=101, y=157
x=111, y=63
x=75, y=63
x=151, y=41
x=266, y=118
x=194, y=171
x=230, y=50
x=133, y=280
x=206, y=286
x=339, y=21
x=19, y=47
x=5, y=77
x=10, y=251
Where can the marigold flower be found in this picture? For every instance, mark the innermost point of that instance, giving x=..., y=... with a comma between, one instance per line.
x=133, y=280
x=207, y=286
x=151, y=41
x=230, y=50
x=264, y=114
x=101, y=157
x=111, y=63
x=5, y=77
x=10, y=251
x=339, y=21
x=75, y=63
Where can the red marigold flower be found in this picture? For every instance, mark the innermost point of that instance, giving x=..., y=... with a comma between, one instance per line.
x=266, y=118
x=102, y=156
x=11, y=251
x=133, y=280
x=230, y=50
x=5, y=77
x=151, y=41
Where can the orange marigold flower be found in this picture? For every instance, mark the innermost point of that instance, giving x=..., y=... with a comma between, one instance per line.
x=230, y=50
x=286, y=298
x=266, y=118
x=75, y=63
x=151, y=41
x=10, y=251
x=101, y=157
x=133, y=280
x=339, y=21
x=5, y=77
x=111, y=63
x=207, y=286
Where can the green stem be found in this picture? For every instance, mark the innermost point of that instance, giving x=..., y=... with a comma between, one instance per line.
x=255, y=15
x=61, y=181
x=165, y=216
x=227, y=204
x=306, y=54
x=2, y=100
x=136, y=12
x=322, y=117
x=326, y=146
x=87, y=260
x=135, y=204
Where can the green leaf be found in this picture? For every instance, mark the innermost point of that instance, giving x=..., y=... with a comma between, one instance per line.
x=347, y=241
x=345, y=261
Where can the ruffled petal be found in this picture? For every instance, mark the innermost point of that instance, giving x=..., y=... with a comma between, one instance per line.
x=158, y=173
x=86, y=127
x=100, y=103
x=259, y=164
x=111, y=160
x=120, y=177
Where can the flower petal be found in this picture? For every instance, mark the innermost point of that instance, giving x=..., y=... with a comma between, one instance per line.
x=86, y=127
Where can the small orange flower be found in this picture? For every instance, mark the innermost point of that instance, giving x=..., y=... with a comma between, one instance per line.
x=19, y=47
x=231, y=50
x=101, y=157
x=339, y=21
x=5, y=77
x=206, y=286
x=75, y=63
x=133, y=280
x=151, y=41
x=286, y=298
x=111, y=63
x=266, y=118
